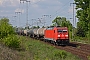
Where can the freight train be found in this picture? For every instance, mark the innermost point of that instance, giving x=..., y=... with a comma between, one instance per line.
x=55, y=35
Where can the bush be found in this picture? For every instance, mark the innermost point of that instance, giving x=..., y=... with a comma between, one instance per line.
x=61, y=54
x=12, y=41
x=88, y=57
x=5, y=28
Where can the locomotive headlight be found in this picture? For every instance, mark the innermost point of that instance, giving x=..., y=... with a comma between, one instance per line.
x=58, y=35
x=66, y=35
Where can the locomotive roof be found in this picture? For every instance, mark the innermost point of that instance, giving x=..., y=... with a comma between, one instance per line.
x=61, y=27
x=50, y=28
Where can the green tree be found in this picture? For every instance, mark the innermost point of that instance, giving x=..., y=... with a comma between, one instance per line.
x=88, y=11
x=35, y=27
x=83, y=13
x=63, y=22
x=7, y=34
x=81, y=29
x=57, y=21
x=5, y=28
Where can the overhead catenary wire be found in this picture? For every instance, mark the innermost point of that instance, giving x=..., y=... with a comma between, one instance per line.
x=61, y=9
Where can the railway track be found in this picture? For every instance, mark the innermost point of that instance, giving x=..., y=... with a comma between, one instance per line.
x=78, y=49
x=84, y=46
x=81, y=50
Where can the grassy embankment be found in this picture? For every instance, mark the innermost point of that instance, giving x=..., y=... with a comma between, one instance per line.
x=83, y=40
x=34, y=50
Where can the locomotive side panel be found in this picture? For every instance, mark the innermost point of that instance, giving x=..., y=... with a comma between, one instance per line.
x=49, y=34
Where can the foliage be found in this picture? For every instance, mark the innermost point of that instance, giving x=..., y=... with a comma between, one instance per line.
x=5, y=28
x=88, y=57
x=34, y=50
x=27, y=27
x=63, y=22
x=61, y=54
x=81, y=29
x=83, y=40
x=35, y=27
x=12, y=41
x=38, y=50
x=83, y=15
x=43, y=26
x=7, y=34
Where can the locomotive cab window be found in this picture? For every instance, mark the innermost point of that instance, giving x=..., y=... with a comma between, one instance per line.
x=64, y=30
x=59, y=30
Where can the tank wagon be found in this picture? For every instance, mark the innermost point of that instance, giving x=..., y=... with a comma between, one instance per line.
x=26, y=32
x=37, y=32
x=19, y=31
x=40, y=32
x=30, y=33
x=33, y=33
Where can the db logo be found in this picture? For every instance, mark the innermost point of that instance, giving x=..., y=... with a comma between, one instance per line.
x=62, y=35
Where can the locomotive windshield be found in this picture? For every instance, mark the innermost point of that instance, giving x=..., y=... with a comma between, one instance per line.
x=62, y=30
x=59, y=30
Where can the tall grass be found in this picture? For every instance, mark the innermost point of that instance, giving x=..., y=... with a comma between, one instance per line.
x=83, y=40
x=41, y=51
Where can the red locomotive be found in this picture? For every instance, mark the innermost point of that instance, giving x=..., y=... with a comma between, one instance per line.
x=57, y=35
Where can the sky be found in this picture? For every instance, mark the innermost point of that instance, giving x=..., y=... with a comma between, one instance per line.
x=35, y=12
